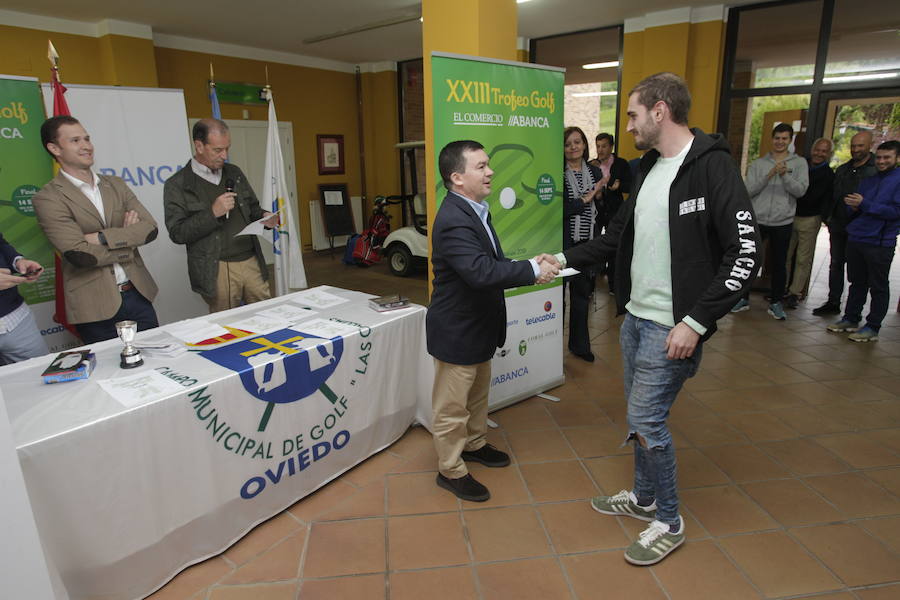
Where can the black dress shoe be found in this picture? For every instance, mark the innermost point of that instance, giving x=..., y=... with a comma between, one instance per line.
x=791, y=301
x=588, y=356
x=488, y=456
x=829, y=308
x=465, y=487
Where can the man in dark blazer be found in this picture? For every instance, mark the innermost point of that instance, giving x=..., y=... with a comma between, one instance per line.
x=97, y=225
x=20, y=337
x=466, y=321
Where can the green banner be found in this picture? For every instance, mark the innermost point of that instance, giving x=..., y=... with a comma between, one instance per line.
x=239, y=93
x=24, y=168
x=516, y=111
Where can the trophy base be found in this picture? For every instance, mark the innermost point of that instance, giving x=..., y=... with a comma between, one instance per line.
x=130, y=361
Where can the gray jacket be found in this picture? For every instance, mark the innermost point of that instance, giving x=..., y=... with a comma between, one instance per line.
x=775, y=200
x=190, y=221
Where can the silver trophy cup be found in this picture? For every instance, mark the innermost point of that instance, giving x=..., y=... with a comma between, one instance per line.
x=131, y=356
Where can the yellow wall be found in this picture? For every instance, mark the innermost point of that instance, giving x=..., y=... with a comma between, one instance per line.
x=316, y=101
x=692, y=50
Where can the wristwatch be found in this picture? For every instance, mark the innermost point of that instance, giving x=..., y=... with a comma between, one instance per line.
x=102, y=238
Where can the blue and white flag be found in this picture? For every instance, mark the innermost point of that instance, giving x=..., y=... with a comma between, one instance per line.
x=289, y=271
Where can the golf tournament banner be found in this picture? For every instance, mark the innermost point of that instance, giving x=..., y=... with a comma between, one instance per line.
x=24, y=168
x=516, y=111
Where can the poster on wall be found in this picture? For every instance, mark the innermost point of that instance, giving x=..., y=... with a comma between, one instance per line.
x=516, y=111
x=24, y=169
x=141, y=135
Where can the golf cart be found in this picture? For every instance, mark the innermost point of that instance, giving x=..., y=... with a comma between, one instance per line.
x=406, y=248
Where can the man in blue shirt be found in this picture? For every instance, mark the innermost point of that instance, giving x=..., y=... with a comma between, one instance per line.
x=873, y=223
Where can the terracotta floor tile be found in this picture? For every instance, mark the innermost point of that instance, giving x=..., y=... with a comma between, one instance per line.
x=416, y=493
x=539, y=445
x=570, y=391
x=730, y=402
x=373, y=468
x=745, y=463
x=859, y=451
x=833, y=596
x=889, y=479
x=853, y=555
x=557, y=481
x=323, y=499
x=807, y=420
x=345, y=548
x=889, y=438
x=889, y=383
x=536, y=579
x=426, y=541
x=598, y=440
x=704, y=382
x=529, y=414
x=761, y=427
x=263, y=537
x=710, y=431
x=887, y=530
x=700, y=570
x=813, y=392
x=778, y=565
x=271, y=591
x=738, y=378
x=819, y=371
x=696, y=470
x=570, y=413
x=686, y=407
x=370, y=587
x=455, y=583
x=725, y=510
x=858, y=415
x=505, y=533
x=612, y=474
x=412, y=443
x=606, y=575
x=888, y=592
x=791, y=502
x=366, y=502
x=193, y=579
x=855, y=495
x=860, y=390
x=279, y=563
x=506, y=486
x=576, y=527
x=805, y=457
x=782, y=374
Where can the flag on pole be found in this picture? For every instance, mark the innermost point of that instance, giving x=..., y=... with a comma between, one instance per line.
x=289, y=271
x=213, y=97
x=60, y=109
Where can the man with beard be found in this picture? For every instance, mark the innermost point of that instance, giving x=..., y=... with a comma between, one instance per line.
x=685, y=244
x=846, y=180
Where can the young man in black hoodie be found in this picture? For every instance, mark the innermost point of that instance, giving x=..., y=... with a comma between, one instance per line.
x=686, y=247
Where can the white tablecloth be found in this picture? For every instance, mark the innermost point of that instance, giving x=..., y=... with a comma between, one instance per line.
x=126, y=492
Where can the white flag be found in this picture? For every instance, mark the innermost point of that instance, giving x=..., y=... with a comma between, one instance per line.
x=289, y=271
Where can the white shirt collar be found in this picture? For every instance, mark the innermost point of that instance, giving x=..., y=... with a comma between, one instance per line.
x=80, y=184
x=205, y=172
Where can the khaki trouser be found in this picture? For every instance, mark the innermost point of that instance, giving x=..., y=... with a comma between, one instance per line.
x=459, y=405
x=803, y=240
x=238, y=283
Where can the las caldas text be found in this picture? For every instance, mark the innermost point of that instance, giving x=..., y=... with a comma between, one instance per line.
x=481, y=92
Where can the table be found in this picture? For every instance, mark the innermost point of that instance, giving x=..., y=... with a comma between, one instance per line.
x=128, y=490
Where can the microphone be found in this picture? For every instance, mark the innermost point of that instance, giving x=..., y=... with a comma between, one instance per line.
x=229, y=187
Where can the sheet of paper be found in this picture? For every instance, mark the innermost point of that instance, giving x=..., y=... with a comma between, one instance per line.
x=139, y=388
x=568, y=272
x=333, y=198
x=195, y=330
x=257, y=228
x=316, y=298
x=256, y=324
x=288, y=313
x=326, y=329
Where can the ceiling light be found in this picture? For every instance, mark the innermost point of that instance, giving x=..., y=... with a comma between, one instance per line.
x=603, y=65
x=865, y=77
x=522, y=1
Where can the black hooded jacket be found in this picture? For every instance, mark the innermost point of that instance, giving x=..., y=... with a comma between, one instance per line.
x=713, y=235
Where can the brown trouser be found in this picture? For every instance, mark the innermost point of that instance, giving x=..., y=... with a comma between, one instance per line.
x=238, y=283
x=459, y=403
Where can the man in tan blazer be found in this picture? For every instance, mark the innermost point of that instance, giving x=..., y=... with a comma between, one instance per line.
x=96, y=224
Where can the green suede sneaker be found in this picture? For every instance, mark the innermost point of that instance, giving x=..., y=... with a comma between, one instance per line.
x=654, y=544
x=623, y=504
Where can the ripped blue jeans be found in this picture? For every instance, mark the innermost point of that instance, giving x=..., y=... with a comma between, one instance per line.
x=652, y=382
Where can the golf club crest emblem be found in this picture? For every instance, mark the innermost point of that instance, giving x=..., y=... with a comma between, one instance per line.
x=282, y=366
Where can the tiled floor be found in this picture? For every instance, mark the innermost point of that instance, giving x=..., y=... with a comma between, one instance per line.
x=789, y=467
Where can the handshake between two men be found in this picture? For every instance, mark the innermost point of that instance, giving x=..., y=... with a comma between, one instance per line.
x=549, y=266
